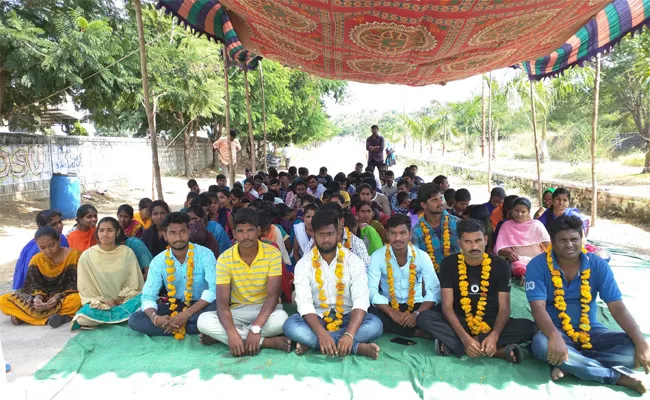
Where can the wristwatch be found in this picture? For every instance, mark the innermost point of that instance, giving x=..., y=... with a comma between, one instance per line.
x=256, y=329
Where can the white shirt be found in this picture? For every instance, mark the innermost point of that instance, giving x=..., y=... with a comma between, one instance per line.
x=356, y=294
x=357, y=246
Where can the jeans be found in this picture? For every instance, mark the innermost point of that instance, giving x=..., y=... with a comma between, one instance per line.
x=609, y=349
x=139, y=321
x=299, y=331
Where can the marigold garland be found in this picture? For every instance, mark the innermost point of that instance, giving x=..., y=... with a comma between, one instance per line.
x=391, y=280
x=348, y=234
x=474, y=322
x=171, y=289
x=446, y=242
x=333, y=324
x=582, y=336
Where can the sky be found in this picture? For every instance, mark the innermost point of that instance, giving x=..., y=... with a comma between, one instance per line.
x=385, y=97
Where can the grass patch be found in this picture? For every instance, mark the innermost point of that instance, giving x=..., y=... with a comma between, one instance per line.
x=633, y=160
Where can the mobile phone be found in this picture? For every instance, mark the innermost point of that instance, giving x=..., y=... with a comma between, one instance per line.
x=624, y=371
x=403, y=341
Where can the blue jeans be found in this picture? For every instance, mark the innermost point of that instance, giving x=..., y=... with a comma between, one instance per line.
x=296, y=329
x=610, y=348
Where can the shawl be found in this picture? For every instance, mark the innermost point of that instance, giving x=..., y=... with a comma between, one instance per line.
x=107, y=275
x=81, y=240
x=47, y=279
x=146, y=223
x=134, y=229
x=519, y=234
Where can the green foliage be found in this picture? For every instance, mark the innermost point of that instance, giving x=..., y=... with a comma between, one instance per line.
x=78, y=130
x=635, y=159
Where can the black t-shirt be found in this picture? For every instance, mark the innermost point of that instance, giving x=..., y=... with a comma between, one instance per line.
x=499, y=282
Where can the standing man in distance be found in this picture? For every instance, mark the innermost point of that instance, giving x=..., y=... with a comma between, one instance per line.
x=375, y=147
x=221, y=145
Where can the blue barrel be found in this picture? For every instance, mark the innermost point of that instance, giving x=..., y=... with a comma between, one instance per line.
x=65, y=194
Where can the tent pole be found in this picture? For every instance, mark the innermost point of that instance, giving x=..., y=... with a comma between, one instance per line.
x=483, y=115
x=539, y=174
x=231, y=166
x=594, y=137
x=250, y=120
x=265, y=144
x=490, y=134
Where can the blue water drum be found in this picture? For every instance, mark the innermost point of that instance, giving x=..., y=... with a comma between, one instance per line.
x=65, y=194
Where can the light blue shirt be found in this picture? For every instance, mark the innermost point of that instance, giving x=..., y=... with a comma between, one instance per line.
x=220, y=234
x=377, y=274
x=205, y=278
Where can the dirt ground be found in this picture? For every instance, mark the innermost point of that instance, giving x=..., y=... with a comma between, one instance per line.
x=17, y=227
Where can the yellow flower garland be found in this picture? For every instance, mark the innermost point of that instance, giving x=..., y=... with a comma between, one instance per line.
x=582, y=336
x=171, y=289
x=348, y=234
x=333, y=324
x=391, y=281
x=446, y=242
x=474, y=322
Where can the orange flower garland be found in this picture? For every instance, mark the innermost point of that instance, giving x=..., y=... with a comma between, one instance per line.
x=333, y=324
x=474, y=322
x=582, y=337
x=171, y=289
x=391, y=281
x=446, y=242
x=348, y=234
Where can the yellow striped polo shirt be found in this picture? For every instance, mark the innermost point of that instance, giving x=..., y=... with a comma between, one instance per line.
x=248, y=284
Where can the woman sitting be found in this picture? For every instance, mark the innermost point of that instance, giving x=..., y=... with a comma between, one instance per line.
x=521, y=238
x=199, y=233
x=153, y=237
x=83, y=237
x=481, y=213
x=109, y=279
x=43, y=218
x=502, y=213
x=49, y=294
x=303, y=232
x=367, y=216
x=130, y=226
x=366, y=232
x=547, y=199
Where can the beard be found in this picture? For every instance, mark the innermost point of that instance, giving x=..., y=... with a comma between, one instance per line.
x=178, y=246
x=326, y=250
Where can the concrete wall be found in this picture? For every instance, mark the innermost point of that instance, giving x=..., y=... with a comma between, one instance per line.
x=27, y=162
x=609, y=204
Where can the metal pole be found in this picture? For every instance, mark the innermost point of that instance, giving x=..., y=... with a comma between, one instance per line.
x=594, y=137
x=266, y=166
x=250, y=120
x=539, y=174
x=231, y=165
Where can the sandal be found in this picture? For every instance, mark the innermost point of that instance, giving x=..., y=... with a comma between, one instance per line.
x=517, y=351
x=440, y=348
x=57, y=320
x=16, y=321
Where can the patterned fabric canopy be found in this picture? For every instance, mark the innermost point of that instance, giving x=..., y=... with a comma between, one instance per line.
x=599, y=35
x=415, y=42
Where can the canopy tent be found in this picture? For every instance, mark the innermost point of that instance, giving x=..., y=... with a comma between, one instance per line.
x=410, y=42
x=600, y=34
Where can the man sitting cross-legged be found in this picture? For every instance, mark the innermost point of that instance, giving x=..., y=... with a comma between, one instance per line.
x=188, y=298
x=561, y=287
x=332, y=297
x=249, y=283
x=475, y=317
x=401, y=268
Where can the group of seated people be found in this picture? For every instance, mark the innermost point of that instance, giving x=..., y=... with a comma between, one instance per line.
x=355, y=266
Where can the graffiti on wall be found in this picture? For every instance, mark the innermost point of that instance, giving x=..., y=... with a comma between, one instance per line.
x=16, y=162
x=68, y=158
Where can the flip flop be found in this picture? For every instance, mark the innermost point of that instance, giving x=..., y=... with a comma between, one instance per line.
x=16, y=321
x=518, y=352
x=440, y=348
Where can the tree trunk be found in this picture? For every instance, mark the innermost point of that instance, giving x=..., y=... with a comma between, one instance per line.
x=231, y=166
x=444, y=140
x=186, y=149
x=544, y=150
x=465, y=149
x=266, y=166
x=483, y=115
x=431, y=147
x=250, y=121
x=412, y=143
x=490, y=134
x=421, y=140
x=147, y=102
x=646, y=169
x=3, y=86
x=496, y=142
x=537, y=160
x=594, y=137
